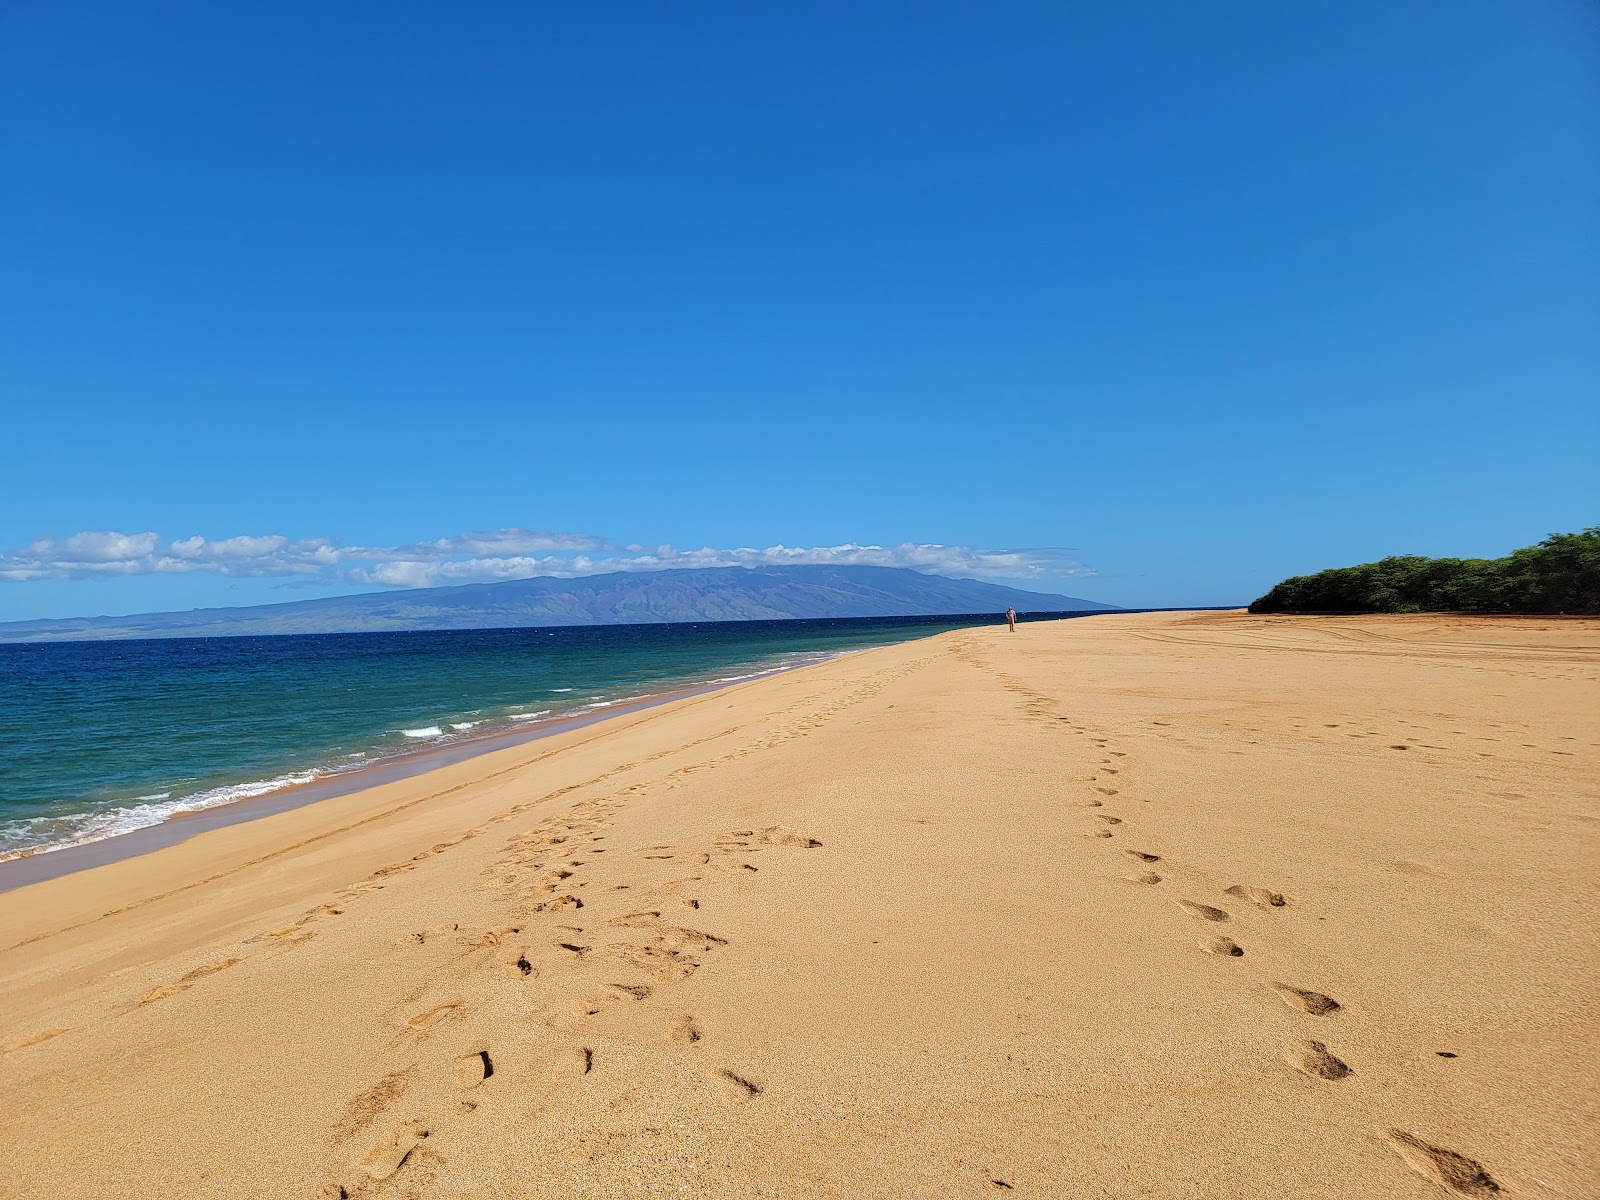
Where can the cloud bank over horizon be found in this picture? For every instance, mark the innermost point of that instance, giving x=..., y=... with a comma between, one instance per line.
x=482, y=557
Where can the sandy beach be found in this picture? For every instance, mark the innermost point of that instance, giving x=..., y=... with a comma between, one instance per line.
x=1162, y=905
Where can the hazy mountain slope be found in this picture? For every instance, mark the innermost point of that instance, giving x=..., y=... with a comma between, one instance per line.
x=709, y=594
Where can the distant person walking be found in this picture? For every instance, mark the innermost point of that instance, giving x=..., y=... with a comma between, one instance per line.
x=1011, y=618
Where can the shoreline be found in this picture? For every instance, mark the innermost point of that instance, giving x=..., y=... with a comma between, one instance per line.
x=177, y=827
x=54, y=860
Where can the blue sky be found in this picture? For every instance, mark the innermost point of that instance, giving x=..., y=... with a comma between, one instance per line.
x=1152, y=303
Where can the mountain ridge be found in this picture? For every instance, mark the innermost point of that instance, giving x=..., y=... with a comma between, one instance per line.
x=680, y=594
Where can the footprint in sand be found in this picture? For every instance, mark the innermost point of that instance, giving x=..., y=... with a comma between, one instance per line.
x=1314, y=1003
x=364, y=1109
x=291, y=933
x=1097, y=833
x=737, y=1087
x=514, y=962
x=643, y=919
x=1204, y=911
x=1259, y=896
x=1144, y=877
x=434, y=1015
x=683, y=1031
x=1455, y=1172
x=34, y=1039
x=473, y=1069
x=630, y=991
x=1142, y=856
x=574, y=1064
x=389, y=1155
x=189, y=980
x=1223, y=947
x=1312, y=1058
x=783, y=835
x=1109, y=820
x=558, y=904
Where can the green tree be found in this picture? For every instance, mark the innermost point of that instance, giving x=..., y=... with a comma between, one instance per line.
x=1559, y=575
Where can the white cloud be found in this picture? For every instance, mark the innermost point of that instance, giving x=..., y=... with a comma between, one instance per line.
x=415, y=573
x=479, y=556
x=406, y=574
x=191, y=547
x=107, y=552
x=931, y=558
x=499, y=543
x=107, y=547
x=247, y=547
x=320, y=551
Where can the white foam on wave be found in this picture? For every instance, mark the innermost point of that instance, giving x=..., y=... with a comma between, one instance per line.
x=801, y=658
x=563, y=689
x=530, y=716
x=39, y=835
x=425, y=731
x=244, y=791
x=465, y=724
x=596, y=704
x=747, y=675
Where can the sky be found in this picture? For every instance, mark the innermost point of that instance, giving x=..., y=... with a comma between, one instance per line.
x=1152, y=303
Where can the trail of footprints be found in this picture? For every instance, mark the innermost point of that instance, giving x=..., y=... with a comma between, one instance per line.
x=1455, y=1172
x=576, y=948
x=1310, y=1056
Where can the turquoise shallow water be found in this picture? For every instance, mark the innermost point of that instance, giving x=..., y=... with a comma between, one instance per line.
x=99, y=738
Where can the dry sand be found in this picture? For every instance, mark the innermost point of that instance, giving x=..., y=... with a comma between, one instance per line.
x=1165, y=905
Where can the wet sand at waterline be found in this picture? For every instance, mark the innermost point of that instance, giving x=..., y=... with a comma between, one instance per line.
x=1167, y=905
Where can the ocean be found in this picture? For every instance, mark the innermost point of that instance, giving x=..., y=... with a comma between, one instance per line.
x=101, y=738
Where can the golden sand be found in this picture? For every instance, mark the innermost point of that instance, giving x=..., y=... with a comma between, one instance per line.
x=1169, y=905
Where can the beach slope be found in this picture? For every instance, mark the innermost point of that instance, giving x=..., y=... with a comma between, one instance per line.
x=1166, y=905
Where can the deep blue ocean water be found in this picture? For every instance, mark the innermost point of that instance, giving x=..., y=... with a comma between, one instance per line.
x=98, y=738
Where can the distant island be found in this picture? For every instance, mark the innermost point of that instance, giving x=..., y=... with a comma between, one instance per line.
x=1559, y=575
x=704, y=594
